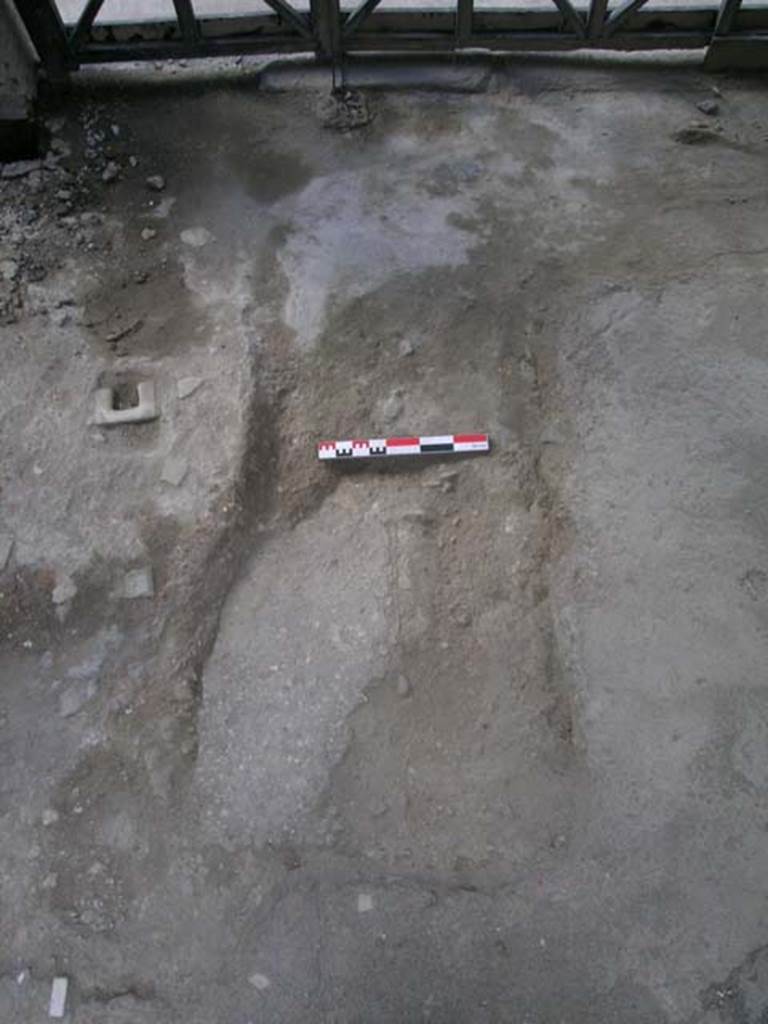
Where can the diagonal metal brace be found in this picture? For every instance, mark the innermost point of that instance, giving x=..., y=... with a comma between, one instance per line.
x=292, y=17
x=358, y=16
x=185, y=16
x=572, y=17
x=621, y=15
x=726, y=16
x=85, y=22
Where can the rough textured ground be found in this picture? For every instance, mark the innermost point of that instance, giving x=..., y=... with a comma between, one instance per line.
x=481, y=740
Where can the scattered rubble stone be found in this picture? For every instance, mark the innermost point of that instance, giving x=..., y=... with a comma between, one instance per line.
x=64, y=591
x=20, y=168
x=156, y=183
x=696, y=135
x=75, y=698
x=9, y=270
x=709, y=107
x=392, y=407
x=6, y=546
x=138, y=583
x=111, y=172
x=188, y=386
x=344, y=111
x=196, y=237
x=174, y=470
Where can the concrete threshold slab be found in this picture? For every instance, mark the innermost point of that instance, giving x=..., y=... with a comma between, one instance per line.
x=465, y=76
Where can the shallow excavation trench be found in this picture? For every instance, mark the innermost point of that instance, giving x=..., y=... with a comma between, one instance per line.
x=386, y=681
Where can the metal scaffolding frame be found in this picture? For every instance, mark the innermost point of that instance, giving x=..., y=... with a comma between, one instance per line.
x=330, y=32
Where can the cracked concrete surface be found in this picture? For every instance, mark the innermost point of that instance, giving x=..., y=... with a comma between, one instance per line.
x=480, y=740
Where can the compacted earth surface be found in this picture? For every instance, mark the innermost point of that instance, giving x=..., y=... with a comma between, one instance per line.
x=475, y=739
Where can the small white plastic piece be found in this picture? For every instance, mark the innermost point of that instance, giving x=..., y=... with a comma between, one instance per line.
x=58, y=1004
x=105, y=416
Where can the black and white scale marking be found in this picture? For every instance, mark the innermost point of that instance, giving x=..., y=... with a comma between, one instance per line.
x=377, y=446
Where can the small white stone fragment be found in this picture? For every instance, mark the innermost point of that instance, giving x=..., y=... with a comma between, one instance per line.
x=174, y=471
x=49, y=817
x=111, y=172
x=260, y=981
x=196, y=237
x=138, y=583
x=147, y=234
x=188, y=386
x=58, y=1003
x=9, y=269
x=156, y=182
x=364, y=902
x=64, y=591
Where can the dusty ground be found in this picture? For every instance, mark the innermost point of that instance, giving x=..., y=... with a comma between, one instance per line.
x=481, y=741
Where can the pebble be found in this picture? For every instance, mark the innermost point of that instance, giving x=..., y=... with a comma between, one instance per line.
x=64, y=194
x=115, y=129
x=64, y=591
x=155, y=182
x=405, y=348
x=138, y=583
x=60, y=317
x=392, y=407
x=447, y=481
x=49, y=817
x=695, y=135
x=147, y=234
x=74, y=699
x=188, y=386
x=6, y=546
x=9, y=270
x=174, y=471
x=111, y=172
x=60, y=147
x=364, y=902
x=20, y=168
x=708, y=107
x=196, y=237
x=404, y=687
x=58, y=1004
x=133, y=161
x=260, y=981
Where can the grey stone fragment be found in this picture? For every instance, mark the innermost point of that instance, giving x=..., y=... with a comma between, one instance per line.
x=111, y=172
x=138, y=583
x=709, y=107
x=64, y=590
x=74, y=698
x=188, y=386
x=6, y=546
x=392, y=407
x=174, y=470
